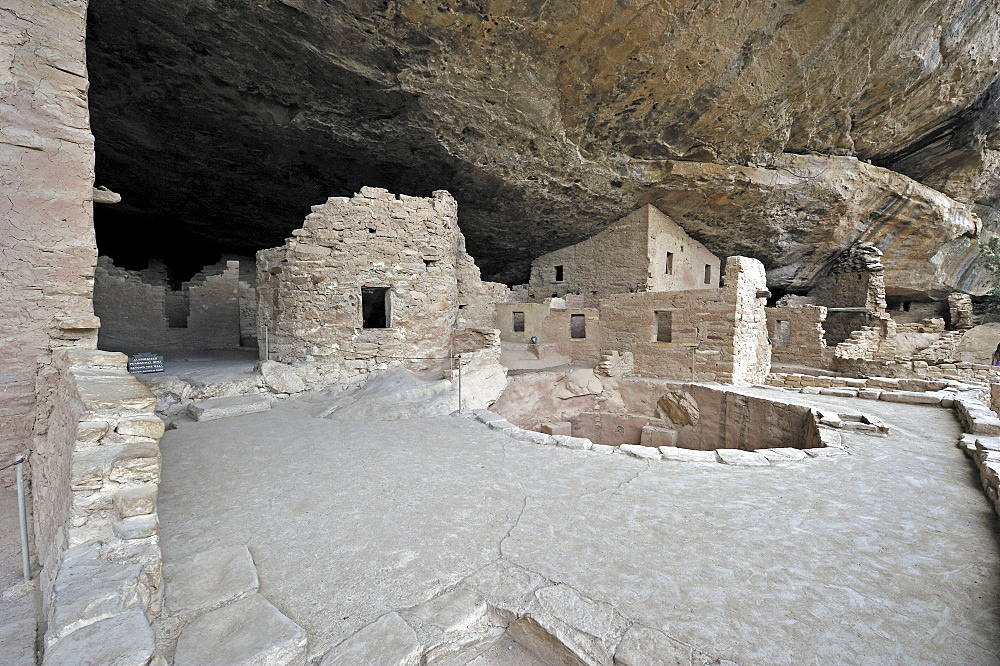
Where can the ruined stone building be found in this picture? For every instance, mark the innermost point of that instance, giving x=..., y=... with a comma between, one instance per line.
x=643, y=251
x=367, y=281
x=140, y=312
x=470, y=172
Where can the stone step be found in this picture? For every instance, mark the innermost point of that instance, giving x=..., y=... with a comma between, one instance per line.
x=251, y=631
x=209, y=579
x=221, y=408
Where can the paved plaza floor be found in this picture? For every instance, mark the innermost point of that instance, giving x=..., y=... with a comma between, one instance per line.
x=889, y=555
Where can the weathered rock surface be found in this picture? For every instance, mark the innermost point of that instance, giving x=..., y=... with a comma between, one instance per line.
x=388, y=640
x=122, y=640
x=17, y=642
x=209, y=579
x=549, y=120
x=251, y=631
x=221, y=408
x=280, y=378
x=47, y=176
x=679, y=408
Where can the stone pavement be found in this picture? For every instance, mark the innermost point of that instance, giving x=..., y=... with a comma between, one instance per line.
x=888, y=555
x=19, y=601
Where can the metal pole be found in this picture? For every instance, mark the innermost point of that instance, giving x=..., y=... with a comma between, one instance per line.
x=23, y=517
x=267, y=350
x=459, y=382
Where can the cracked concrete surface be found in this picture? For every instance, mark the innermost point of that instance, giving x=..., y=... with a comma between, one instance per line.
x=888, y=555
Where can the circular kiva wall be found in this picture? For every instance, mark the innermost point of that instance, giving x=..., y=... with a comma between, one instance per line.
x=615, y=411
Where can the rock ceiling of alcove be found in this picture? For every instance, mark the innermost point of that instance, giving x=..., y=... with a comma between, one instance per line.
x=231, y=118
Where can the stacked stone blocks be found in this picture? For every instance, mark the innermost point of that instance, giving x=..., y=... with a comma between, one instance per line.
x=309, y=290
x=96, y=525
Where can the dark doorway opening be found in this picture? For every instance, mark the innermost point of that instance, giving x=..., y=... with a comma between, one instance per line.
x=375, y=311
x=577, y=326
x=664, y=326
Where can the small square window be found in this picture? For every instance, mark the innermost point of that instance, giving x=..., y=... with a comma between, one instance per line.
x=664, y=326
x=375, y=311
x=518, y=322
x=559, y=273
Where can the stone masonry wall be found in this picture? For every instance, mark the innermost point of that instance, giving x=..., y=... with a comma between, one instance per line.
x=959, y=311
x=95, y=491
x=552, y=326
x=717, y=335
x=728, y=420
x=136, y=311
x=46, y=222
x=797, y=335
x=856, y=280
x=477, y=300
x=309, y=290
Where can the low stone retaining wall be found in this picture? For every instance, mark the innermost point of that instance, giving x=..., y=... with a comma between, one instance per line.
x=832, y=445
x=96, y=524
x=981, y=442
x=971, y=372
x=866, y=387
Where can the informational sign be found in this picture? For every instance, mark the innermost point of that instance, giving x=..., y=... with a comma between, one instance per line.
x=144, y=363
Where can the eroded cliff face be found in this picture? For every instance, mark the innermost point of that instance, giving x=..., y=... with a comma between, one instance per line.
x=47, y=248
x=548, y=120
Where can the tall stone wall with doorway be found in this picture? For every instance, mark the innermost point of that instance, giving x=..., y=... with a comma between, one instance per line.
x=46, y=221
x=712, y=335
x=309, y=291
x=141, y=313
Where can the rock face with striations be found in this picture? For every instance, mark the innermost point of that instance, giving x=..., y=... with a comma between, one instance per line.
x=549, y=120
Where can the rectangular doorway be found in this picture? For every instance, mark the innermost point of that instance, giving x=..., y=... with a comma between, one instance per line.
x=375, y=310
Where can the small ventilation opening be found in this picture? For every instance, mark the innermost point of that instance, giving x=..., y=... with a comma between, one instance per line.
x=708, y=274
x=430, y=262
x=669, y=264
x=371, y=230
x=577, y=326
x=559, y=273
x=518, y=322
x=664, y=326
x=375, y=307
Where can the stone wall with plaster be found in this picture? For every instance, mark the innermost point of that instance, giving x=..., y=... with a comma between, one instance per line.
x=96, y=526
x=141, y=313
x=643, y=251
x=715, y=335
x=310, y=290
x=552, y=325
x=713, y=418
x=46, y=223
x=797, y=335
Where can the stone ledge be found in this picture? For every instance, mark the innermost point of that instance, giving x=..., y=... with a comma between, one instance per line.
x=831, y=438
x=221, y=408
